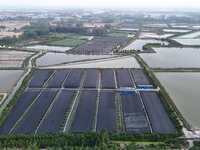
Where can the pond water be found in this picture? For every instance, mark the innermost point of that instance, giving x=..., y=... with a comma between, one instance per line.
x=184, y=89
x=58, y=58
x=137, y=45
x=46, y=47
x=173, y=58
x=8, y=78
x=179, y=26
x=196, y=26
x=156, y=25
x=118, y=62
x=191, y=35
x=153, y=35
x=188, y=41
x=127, y=29
x=175, y=30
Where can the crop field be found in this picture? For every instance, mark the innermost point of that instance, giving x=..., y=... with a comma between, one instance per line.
x=134, y=116
x=104, y=44
x=39, y=78
x=73, y=80
x=139, y=77
x=85, y=113
x=9, y=33
x=13, y=59
x=124, y=79
x=106, y=117
x=85, y=100
x=159, y=119
x=118, y=34
x=33, y=117
x=20, y=107
x=91, y=79
x=58, y=79
x=56, y=115
x=128, y=26
x=107, y=79
x=68, y=42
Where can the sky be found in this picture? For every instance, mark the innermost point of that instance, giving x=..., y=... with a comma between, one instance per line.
x=105, y=3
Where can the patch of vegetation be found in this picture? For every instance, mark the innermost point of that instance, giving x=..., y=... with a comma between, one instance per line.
x=68, y=42
x=90, y=141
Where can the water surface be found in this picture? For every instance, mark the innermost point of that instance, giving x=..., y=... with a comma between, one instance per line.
x=175, y=30
x=173, y=58
x=184, y=89
x=8, y=78
x=138, y=44
x=118, y=62
x=46, y=47
x=58, y=58
x=191, y=35
x=188, y=41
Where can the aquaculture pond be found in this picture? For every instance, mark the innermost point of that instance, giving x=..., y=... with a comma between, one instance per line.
x=176, y=30
x=58, y=58
x=183, y=88
x=191, y=35
x=8, y=78
x=154, y=35
x=173, y=58
x=188, y=41
x=118, y=62
x=138, y=44
x=46, y=47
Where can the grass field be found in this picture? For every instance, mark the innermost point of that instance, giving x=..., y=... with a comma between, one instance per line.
x=137, y=143
x=65, y=35
x=68, y=42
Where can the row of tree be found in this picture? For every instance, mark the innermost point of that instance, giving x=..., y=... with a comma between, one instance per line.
x=41, y=28
x=92, y=139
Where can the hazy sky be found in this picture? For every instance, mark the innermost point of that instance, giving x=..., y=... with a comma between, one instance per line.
x=108, y=3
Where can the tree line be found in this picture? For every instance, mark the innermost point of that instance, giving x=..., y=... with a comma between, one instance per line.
x=42, y=28
x=92, y=140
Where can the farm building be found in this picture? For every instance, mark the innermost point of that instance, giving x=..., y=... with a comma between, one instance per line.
x=145, y=86
x=127, y=90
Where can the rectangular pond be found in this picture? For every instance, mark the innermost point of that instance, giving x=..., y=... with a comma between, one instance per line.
x=59, y=58
x=118, y=62
x=188, y=41
x=138, y=44
x=8, y=78
x=173, y=58
x=189, y=36
x=153, y=35
x=183, y=88
x=46, y=47
x=176, y=30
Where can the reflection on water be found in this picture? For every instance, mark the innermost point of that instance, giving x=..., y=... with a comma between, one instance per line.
x=184, y=89
x=138, y=44
x=173, y=58
x=119, y=62
x=58, y=58
x=8, y=78
x=45, y=47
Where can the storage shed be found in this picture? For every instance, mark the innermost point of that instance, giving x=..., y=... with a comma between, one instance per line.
x=145, y=86
x=127, y=90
